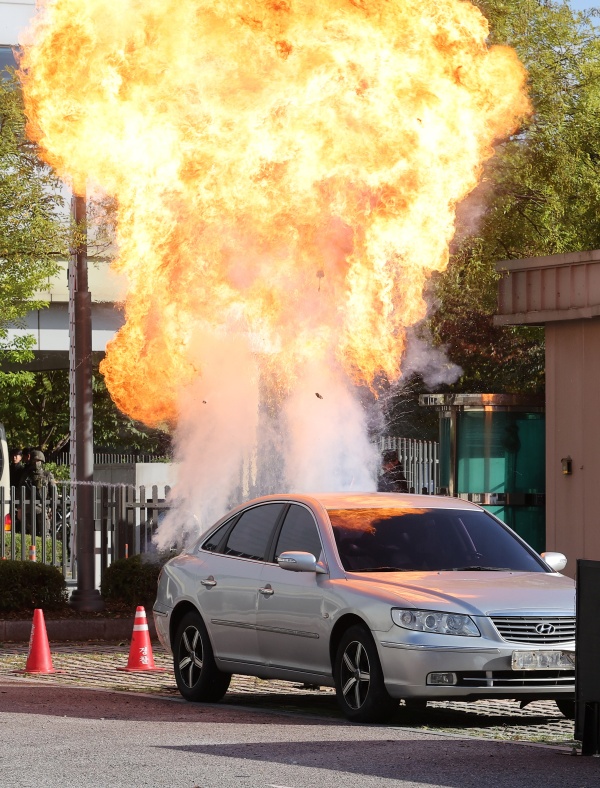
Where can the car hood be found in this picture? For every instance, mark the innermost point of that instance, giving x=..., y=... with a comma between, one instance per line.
x=474, y=593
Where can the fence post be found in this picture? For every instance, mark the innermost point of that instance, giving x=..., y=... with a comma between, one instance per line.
x=43, y=524
x=132, y=530
x=103, y=503
x=13, y=524
x=67, y=530
x=121, y=522
x=23, y=525
x=2, y=505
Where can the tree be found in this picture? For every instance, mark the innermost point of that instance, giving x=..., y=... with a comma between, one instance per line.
x=33, y=237
x=33, y=234
x=540, y=194
x=36, y=413
x=35, y=231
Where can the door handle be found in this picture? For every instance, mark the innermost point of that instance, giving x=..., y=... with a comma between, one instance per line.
x=266, y=591
x=209, y=582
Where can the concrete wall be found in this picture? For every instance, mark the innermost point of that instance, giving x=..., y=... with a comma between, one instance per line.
x=573, y=429
x=160, y=473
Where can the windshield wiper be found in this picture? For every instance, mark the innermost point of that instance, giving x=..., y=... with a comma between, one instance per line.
x=382, y=569
x=479, y=569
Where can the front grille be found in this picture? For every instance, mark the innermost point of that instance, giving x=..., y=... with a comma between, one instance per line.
x=540, y=631
x=517, y=678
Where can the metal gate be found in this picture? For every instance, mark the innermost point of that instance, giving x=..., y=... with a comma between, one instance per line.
x=40, y=529
x=420, y=462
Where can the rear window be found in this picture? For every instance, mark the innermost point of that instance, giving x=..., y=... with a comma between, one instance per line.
x=423, y=540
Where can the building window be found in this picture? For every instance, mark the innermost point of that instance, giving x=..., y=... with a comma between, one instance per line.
x=7, y=60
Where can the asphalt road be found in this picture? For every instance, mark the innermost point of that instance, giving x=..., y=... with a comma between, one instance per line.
x=67, y=736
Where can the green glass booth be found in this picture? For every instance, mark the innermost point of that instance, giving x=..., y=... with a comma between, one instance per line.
x=492, y=452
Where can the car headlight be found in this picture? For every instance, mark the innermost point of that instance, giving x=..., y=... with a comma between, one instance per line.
x=435, y=621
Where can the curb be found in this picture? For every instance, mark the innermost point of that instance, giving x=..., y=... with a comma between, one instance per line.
x=75, y=629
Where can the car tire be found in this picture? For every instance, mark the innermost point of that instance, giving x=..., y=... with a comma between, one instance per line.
x=359, y=685
x=567, y=708
x=197, y=676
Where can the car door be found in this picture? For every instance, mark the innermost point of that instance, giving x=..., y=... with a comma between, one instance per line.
x=228, y=593
x=293, y=627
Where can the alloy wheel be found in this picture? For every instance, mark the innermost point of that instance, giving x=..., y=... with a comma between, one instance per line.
x=355, y=674
x=190, y=664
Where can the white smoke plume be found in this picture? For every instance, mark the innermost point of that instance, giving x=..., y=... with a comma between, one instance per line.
x=231, y=446
x=430, y=362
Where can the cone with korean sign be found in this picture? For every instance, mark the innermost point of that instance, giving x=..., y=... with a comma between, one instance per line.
x=140, y=652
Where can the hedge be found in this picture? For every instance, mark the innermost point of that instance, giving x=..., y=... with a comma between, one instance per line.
x=131, y=581
x=26, y=585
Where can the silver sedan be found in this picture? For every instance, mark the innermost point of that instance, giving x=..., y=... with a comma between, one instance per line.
x=381, y=595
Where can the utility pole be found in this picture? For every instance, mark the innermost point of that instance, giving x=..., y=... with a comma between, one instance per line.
x=85, y=597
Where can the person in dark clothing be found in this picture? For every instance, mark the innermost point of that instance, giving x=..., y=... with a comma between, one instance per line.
x=16, y=466
x=392, y=478
x=36, y=480
x=26, y=453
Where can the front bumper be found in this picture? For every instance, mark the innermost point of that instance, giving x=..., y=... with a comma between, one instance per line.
x=482, y=671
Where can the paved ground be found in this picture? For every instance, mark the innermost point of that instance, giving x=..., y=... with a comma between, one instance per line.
x=93, y=665
x=81, y=738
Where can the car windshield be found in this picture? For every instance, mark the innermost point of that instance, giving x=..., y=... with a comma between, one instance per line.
x=425, y=540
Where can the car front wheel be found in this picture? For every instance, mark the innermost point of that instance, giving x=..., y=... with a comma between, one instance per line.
x=197, y=676
x=359, y=684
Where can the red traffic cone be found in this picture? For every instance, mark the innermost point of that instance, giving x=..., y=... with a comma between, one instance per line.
x=140, y=652
x=39, y=659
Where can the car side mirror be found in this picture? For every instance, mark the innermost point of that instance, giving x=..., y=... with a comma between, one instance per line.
x=300, y=562
x=556, y=561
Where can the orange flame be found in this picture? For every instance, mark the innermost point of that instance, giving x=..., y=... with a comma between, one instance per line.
x=288, y=169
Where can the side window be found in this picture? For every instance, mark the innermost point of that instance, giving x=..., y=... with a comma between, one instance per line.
x=213, y=541
x=251, y=534
x=299, y=532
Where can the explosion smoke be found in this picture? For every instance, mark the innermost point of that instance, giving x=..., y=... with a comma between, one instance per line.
x=286, y=173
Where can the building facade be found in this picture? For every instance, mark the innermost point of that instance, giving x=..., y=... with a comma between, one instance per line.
x=562, y=293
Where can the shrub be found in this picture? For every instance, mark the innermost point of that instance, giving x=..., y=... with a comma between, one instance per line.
x=38, y=547
x=25, y=585
x=131, y=581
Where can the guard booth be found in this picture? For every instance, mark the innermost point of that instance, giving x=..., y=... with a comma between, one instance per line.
x=492, y=452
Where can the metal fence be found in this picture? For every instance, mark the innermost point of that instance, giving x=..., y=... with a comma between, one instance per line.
x=39, y=527
x=115, y=458
x=420, y=462
x=126, y=517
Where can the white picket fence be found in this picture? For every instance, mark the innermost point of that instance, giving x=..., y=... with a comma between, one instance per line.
x=420, y=461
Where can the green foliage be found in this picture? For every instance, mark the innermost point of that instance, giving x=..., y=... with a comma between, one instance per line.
x=61, y=473
x=38, y=547
x=131, y=581
x=540, y=194
x=32, y=236
x=36, y=413
x=26, y=585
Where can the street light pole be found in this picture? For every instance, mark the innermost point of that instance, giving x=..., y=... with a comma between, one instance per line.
x=85, y=597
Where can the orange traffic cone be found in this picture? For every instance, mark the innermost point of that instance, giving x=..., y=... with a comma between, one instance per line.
x=39, y=659
x=140, y=653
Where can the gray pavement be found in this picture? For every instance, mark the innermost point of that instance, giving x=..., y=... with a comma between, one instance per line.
x=71, y=736
x=93, y=665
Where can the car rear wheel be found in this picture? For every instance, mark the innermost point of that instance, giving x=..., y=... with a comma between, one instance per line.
x=359, y=684
x=197, y=676
x=566, y=707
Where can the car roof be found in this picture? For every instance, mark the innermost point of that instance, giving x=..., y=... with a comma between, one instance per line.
x=373, y=500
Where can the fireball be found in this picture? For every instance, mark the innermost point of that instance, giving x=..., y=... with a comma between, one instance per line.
x=287, y=170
